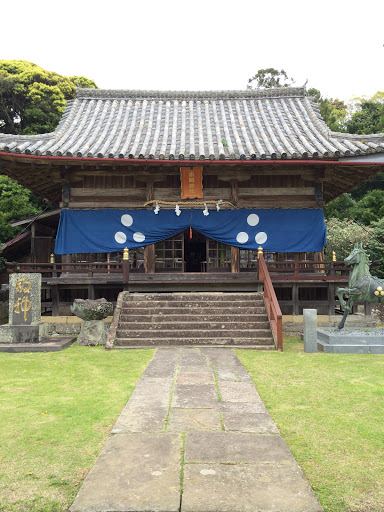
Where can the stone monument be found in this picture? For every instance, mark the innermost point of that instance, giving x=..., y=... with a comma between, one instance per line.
x=93, y=329
x=24, y=311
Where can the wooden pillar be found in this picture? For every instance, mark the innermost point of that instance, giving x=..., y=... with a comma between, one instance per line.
x=55, y=300
x=235, y=259
x=33, y=240
x=91, y=291
x=66, y=258
x=235, y=251
x=295, y=299
x=234, y=197
x=150, y=189
x=149, y=259
x=331, y=299
x=149, y=250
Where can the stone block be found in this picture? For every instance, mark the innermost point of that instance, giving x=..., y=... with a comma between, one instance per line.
x=92, y=332
x=135, y=472
x=195, y=395
x=310, y=330
x=191, y=420
x=241, y=417
x=246, y=488
x=24, y=299
x=234, y=448
x=23, y=333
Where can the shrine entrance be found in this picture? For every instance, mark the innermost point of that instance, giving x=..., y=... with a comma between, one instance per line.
x=195, y=251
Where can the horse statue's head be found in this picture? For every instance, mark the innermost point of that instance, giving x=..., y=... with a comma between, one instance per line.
x=357, y=255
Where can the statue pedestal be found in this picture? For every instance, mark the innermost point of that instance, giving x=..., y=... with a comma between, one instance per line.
x=93, y=330
x=351, y=341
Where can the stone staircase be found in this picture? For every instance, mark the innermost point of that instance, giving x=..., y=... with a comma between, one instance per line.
x=198, y=319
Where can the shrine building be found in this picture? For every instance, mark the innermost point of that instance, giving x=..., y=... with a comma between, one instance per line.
x=193, y=184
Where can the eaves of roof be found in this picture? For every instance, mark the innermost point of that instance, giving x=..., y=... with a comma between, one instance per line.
x=223, y=126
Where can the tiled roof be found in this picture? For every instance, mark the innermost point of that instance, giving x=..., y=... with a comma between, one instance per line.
x=278, y=123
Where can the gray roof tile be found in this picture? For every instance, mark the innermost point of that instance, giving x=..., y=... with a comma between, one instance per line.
x=203, y=125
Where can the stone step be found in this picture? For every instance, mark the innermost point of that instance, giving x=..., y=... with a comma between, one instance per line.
x=170, y=341
x=141, y=305
x=193, y=311
x=193, y=333
x=192, y=296
x=190, y=317
x=200, y=325
x=211, y=345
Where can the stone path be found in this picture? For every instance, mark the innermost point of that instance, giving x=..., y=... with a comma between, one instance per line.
x=195, y=437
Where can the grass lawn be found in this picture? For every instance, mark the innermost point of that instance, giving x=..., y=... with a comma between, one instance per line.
x=330, y=411
x=57, y=410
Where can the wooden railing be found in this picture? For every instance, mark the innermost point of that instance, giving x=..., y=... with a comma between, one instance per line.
x=303, y=270
x=282, y=270
x=273, y=309
x=87, y=269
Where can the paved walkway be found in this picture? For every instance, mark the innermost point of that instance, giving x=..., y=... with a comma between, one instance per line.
x=195, y=437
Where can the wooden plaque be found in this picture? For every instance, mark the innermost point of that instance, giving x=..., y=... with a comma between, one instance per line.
x=191, y=182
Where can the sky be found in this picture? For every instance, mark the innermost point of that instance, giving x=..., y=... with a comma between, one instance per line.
x=338, y=46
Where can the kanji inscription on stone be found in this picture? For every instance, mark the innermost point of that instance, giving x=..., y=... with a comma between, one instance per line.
x=24, y=298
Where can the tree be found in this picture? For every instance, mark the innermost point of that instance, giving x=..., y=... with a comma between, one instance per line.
x=32, y=100
x=339, y=208
x=342, y=236
x=16, y=202
x=333, y=111
x=367, y=115
x=370, y=208
x=270, y=77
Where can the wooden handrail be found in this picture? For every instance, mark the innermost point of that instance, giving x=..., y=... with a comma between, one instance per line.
x=271, y=303
x=54, y=269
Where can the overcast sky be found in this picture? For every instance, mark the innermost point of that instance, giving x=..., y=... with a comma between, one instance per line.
x=202, y=44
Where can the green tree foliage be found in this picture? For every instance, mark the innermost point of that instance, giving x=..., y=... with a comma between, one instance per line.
x=333, y=111
x=32, y=100
x=375, y=183
x=16, y=202
x=342, y=236
x=339, y=208
x=369, y=208
x=367, y=115
x=270, y=77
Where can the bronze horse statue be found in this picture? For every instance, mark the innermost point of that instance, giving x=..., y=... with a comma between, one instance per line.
x=361, y=284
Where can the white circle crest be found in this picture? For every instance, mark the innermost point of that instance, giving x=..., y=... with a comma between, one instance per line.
x=253, y=219
x=120, y=237
x=242, y=237
x=261, y=237
x=126, y=220
x=138, y=237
